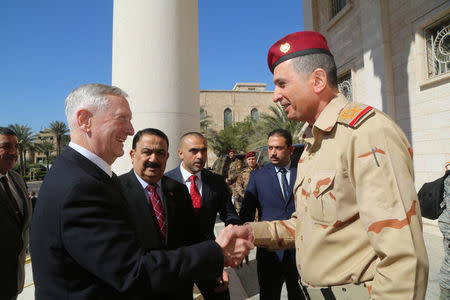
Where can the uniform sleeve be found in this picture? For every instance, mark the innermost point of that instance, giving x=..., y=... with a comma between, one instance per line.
x=275, y=235
x=380, y=167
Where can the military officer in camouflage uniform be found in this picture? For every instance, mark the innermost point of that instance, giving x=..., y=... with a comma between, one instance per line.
x=357, y=227
x=243, y=178
x=233, y=173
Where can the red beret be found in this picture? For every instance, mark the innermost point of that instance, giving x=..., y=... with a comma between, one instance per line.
x=231, y=150
x=249, y=154
x=296, y=44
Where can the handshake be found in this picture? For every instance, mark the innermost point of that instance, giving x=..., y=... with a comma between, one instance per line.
x=236, y=243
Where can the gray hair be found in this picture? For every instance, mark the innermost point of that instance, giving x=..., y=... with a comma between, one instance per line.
x=90, y=96
x=306, y=64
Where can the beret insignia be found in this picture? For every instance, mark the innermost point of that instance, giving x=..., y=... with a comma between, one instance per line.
x=285, y=47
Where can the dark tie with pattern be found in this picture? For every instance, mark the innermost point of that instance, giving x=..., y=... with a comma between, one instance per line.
x=11, y=199
x=195, y=195
x=157, y=209
x=284, y=183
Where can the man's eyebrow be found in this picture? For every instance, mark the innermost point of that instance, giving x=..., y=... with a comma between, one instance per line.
x=198, y=149
x=278, y=80
x=153, y=149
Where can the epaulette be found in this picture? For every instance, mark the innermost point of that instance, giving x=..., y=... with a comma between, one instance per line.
x=354, y=113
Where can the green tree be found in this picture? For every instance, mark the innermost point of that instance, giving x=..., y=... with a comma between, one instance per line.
x=278, y=119
x=205, y=121
x=232, y=136
x=59, y=129
x=25, y=139
x=47, y=147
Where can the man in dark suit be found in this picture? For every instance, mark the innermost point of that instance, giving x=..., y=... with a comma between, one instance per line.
x=209, y=193
x=15, y=217
x=149, y=156
x=83, y=243
x=270, y=191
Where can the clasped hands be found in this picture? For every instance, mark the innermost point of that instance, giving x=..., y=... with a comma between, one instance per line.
x=236, y=243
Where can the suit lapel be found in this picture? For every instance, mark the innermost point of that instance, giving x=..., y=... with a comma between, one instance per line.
x=276, y=183
x=6, y=206
x=137, y=195
x=21, y=190
x=207, y=192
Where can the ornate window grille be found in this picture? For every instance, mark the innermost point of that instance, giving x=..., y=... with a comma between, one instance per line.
x=345, y=85
x=254, y=114
x=437, y=47
x=227, y=117
x=336, y=6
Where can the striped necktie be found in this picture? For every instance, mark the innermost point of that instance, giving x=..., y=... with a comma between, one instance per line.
x=284, y=183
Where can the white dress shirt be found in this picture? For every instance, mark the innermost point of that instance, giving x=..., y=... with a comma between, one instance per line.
x=288, y=175
x=97, y=160
x=187, y=181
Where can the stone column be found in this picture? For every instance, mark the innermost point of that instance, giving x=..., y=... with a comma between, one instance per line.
x=155, y=60
x=376, y=40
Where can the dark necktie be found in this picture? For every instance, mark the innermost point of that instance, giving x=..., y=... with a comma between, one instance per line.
x=195, y=195
x=284, y=183
x=11, y=198
x=157, y=209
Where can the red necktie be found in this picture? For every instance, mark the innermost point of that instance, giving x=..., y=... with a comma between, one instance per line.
x=195, y=195
x=157, y=209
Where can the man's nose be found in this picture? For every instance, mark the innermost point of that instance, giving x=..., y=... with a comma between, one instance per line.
x=130, y=129
x=276, y=96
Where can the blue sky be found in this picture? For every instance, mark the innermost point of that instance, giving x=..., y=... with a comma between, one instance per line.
x=50, y=47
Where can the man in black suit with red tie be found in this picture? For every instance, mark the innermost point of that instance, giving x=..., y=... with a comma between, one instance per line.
x=83, y=243
x=209, y=193
x=161, y=208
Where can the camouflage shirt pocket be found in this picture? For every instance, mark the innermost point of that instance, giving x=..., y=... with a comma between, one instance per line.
x=321, y=205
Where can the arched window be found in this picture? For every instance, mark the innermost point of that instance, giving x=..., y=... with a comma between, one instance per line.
x=254, y=114
x=227, y=117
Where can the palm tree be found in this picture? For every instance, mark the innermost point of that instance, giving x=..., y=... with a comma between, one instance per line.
x=47, y=147
x=205, y=120
x=59, y=129
x=278, y=119
x=25, y=139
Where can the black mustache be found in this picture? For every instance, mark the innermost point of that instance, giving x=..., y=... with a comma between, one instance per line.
x=9, y=156
x=273, y=156
x=153, y=165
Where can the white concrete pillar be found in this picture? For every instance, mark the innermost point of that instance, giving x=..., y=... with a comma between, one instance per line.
x=155, y=60
x=308, y=22
x=377, y=57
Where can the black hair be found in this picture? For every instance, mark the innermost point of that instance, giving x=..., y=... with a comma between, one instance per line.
x=150, y=131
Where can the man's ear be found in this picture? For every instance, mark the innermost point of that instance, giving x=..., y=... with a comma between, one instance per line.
x=84, y=120
x=180, y=154
x=319, y=80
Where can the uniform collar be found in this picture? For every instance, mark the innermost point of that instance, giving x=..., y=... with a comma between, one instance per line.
x=328, y=117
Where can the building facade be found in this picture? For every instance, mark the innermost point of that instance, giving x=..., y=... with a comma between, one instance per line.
x=395, y=56
x=230, y=107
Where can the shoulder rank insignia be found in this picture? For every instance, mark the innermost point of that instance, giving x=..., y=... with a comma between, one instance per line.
x=353, y=113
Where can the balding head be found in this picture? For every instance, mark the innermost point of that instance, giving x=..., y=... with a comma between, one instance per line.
x=193, y=151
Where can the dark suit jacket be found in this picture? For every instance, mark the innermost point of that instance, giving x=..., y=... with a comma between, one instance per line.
x=179, y=215
x=264, y=193
x=216, y=198
x=84, y=244
x=14, y=232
